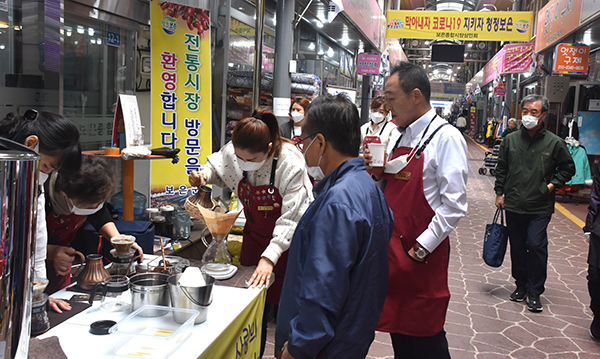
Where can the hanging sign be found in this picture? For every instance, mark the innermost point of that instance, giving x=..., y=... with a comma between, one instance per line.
x=368, y=64
x=512, y=58
x=500, y=89
x=571, y=59
x=181, y=96
x=487, y=26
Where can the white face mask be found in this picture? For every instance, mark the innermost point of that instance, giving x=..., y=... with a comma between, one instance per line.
x=377, y=117
x=297, y=116
x=84, y=211
x=43, y=176
x=529, y=122
x=396, y=165
x=250, y=166
x=314, y=171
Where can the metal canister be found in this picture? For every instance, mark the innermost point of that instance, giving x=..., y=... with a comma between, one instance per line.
x=18, y=198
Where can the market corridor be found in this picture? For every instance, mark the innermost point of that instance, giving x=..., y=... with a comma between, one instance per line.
x=482, y=322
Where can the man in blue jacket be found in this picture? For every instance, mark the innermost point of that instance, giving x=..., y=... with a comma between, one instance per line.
x=337, y=273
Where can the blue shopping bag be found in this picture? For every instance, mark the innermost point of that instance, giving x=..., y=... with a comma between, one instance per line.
x=495, y=241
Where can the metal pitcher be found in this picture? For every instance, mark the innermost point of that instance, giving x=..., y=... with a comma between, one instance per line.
x=92, y=272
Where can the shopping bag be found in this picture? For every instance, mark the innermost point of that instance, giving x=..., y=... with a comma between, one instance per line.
x=495, y=241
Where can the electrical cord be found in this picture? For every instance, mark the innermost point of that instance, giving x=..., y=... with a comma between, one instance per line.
x=194, y=244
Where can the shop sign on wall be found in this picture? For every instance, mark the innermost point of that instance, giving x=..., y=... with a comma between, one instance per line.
x=555, y=21
x=368, y=64
x=571, y=59
x=181, y=96
x=489, y=26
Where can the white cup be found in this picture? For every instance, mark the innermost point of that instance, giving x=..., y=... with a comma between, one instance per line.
x=377, y=151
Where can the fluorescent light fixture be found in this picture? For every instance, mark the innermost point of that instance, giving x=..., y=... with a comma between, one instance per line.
x=2, y=47
x=99, y=41
x=330, y=52
x=345, y=40
x=470, y=44
x=93, y=41
x=91, y=31
x=311, y=46
x=231, y=64
x=80, y=29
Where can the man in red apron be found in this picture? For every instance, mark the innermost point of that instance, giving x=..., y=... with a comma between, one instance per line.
x=424, y=182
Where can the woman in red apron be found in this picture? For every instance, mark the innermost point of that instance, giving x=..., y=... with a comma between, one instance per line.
x=378, y=129
x=414, y=307
x=270, y=178
x=72, y=200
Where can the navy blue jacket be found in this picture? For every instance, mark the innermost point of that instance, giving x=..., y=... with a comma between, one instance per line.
x=337, y=272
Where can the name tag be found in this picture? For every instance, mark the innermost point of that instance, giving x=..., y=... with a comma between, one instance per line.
x=404, y=176
x=265, y=208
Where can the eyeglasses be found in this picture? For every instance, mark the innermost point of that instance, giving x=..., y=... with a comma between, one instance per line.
x=31, y=114
x=301, y=140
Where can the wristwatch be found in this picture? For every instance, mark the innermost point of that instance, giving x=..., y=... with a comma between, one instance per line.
x=421, y=253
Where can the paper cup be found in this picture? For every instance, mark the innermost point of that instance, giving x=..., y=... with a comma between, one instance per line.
x=378, y=151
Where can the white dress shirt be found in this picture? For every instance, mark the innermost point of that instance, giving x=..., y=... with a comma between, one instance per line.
x=291, y=179
x=444, y=174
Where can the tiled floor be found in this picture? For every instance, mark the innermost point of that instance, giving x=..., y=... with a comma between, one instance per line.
x=481, y=321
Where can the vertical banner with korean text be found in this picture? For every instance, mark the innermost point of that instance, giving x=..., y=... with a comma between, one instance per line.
x=181, y=103
x=241, y=339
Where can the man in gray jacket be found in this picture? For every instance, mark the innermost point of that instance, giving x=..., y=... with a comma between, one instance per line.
x=532, y=163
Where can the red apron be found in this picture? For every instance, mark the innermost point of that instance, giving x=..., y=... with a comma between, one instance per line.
x=372, y=138
x=262, y=207
x=61, y=232
x=418, y=294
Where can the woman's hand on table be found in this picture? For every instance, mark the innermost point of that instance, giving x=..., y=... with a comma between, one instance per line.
x=262, y=273
x=62, y=257
x=197, y=178
x=58, y=304
x=139, y=250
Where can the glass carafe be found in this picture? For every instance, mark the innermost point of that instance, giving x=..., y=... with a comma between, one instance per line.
x=216, y=257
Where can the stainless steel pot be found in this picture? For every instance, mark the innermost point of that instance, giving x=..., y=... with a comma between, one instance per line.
x=149, y=288
x=18, y=201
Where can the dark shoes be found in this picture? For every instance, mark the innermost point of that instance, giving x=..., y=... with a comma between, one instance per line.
x=533, y=303
x=518, y=295
x=595, y=329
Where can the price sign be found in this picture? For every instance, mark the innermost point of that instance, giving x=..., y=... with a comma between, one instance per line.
x=571, y=59
x=113, y=36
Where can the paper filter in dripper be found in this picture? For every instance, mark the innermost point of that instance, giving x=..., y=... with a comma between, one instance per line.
x=219, y=223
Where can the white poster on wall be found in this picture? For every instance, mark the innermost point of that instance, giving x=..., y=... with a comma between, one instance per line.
x=281, y=106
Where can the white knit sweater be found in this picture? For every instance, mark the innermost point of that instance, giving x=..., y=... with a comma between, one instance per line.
x=291, y=179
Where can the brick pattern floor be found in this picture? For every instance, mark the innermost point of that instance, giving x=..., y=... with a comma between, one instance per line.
x=482, y=323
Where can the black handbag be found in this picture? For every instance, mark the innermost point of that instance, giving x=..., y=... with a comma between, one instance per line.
x=495, y=241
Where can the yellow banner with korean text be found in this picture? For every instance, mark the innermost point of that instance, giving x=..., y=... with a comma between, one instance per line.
x=241, y=339
x=457, y=25
x=180, y=96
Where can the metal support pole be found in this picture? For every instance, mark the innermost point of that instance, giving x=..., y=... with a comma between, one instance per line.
x=258, y=44
x=282, y=87
x=365, y=104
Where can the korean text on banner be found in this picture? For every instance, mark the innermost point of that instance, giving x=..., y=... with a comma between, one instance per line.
x=571, y=59
x=556, y=19
x=485, y=26
x=181, y=103
x=241, y=339
x=368, y=64
x=513, y=58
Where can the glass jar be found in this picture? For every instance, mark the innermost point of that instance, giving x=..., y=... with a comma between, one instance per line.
x=39, y=318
